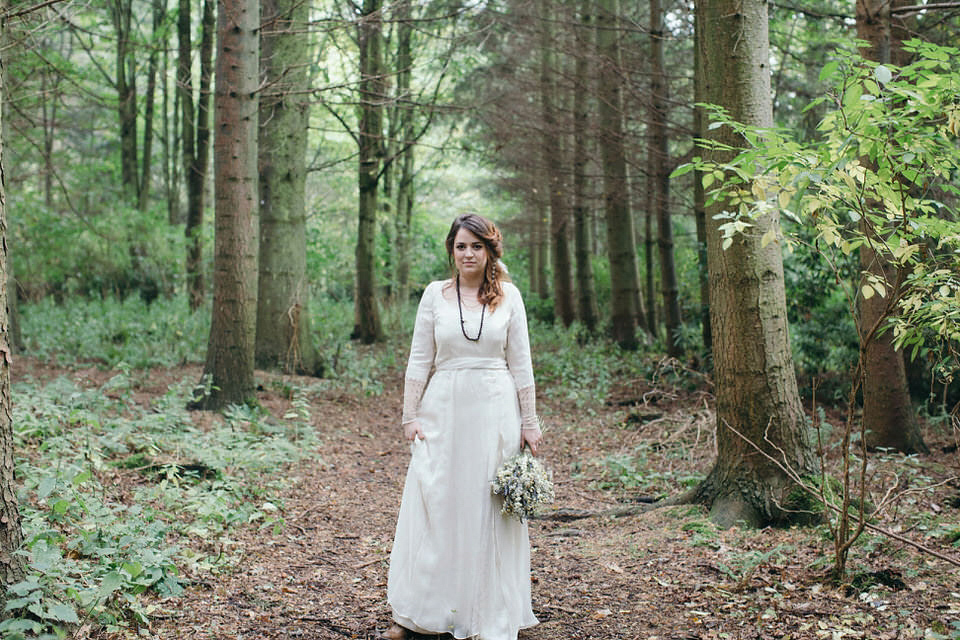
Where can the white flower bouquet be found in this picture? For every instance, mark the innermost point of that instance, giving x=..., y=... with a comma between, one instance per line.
x=524, y=484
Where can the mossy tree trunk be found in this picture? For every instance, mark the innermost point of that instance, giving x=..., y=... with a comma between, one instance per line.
x=758, y=405
x=283, y=319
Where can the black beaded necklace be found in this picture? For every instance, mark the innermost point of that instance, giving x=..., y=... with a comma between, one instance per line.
x=460, y=308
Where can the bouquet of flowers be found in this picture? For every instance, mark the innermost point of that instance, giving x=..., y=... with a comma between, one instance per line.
x=524, y=484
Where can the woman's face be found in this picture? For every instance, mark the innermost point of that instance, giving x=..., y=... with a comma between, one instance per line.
x=469, y=254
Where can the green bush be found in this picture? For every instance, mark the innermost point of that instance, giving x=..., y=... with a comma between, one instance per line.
x=63, y=254
x=110, y=331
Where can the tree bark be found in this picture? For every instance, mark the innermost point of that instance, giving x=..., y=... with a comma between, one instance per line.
x=122, y=14
x=552, y=154
x=758, y=405
x=648, y=317
x=620, y=234
x=283, y=319
x=170, y=137
x=15, y=336
x=699, y=196
x=888, y=417
x=195, y=128
x=587, y=309
x=367, y=327
x=230, y=352
x=12, y=567
x=660, y=181
x=49, y=87
x=533, y=266
x=542, y=235
x=146, y=167
x=405, y=116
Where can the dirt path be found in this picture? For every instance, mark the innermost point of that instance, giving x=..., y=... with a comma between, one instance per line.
x=663, y=574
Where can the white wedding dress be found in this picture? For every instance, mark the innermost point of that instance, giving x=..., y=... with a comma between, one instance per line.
x=458, y=565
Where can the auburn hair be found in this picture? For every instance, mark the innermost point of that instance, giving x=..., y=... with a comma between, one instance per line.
x=491, y=289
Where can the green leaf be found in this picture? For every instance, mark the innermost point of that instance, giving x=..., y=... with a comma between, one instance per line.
x=111, y=582
x=81, y=477
x=62, y=612
x=882, y=74
x=46, y=487
x=768, y=236
x=683, y=170
x=829, y=69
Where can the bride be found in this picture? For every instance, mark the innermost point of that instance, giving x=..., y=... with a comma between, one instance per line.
x=458, y=565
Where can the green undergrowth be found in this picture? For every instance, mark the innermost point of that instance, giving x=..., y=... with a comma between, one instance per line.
x=573, y=366
x=108, y=331
x=112, y=333
x=120, y=499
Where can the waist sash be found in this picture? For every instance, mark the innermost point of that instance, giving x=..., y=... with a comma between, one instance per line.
x=454, y=364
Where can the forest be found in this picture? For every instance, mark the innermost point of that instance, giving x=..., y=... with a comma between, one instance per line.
x=734, y=225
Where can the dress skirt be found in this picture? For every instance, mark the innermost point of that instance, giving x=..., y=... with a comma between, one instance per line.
x=458, y=565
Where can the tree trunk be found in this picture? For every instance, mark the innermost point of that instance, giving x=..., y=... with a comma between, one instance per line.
x=195, y=128
x=170, y=137
x=888, y=417
x=12, y=567
x=405, y=113
x=283, y=321
x=699, y=196
x=230, y=353
x=48, y=110
x=659, y=177
x=649, y=291
x=159, y=11
x=552, y=154
x=542, y=229
x=122, y=13
x=533, y=266
x=15, y=336
x=583, y=242
x=367, y=327
x=758, y=405
x=620, y=234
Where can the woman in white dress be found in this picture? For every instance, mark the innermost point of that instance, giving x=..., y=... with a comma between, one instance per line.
x=458, y=565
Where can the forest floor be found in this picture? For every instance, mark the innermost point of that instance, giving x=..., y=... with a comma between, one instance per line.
x=663, y=573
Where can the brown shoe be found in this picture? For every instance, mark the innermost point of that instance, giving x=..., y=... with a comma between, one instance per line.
x=396, y=632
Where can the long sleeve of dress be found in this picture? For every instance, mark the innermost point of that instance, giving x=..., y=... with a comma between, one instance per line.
x=520, y=362
x=422, y=351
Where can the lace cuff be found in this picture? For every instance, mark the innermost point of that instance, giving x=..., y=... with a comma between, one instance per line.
x=412, y=391
x=528, y=408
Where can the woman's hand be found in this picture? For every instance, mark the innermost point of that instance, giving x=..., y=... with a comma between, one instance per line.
x=532, y=437
x=412, y=430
